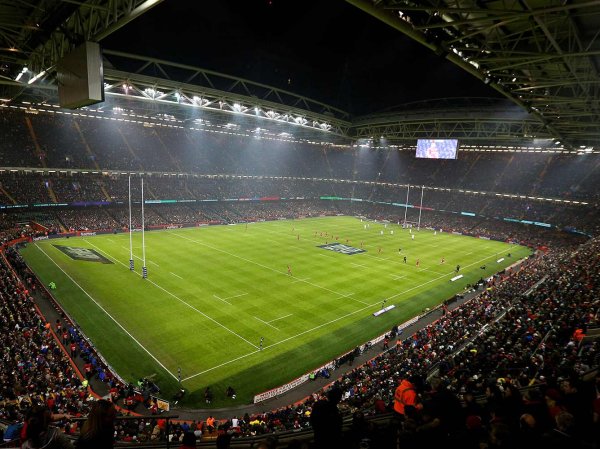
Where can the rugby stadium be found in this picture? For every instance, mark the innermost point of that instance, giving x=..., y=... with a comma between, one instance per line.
x=349, y=224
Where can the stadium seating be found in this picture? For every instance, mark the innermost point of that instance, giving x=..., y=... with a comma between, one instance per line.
x=524, y=347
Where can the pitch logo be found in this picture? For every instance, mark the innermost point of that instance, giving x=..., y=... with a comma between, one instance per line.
x=82, y=254
x=341, y=248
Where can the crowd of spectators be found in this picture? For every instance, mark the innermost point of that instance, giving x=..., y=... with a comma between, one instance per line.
x=34, y=368
x=95, y=219
x=89, y=143
x=81, y=191
x=520, y=344
x=519, y=331
x=524, y=331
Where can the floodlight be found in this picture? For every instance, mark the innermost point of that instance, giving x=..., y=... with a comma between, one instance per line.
x=36, y=77
x=21, y=73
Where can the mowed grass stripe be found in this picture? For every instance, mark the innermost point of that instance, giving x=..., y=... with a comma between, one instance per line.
x=322, y=324
x=108, y=314
x=195, y=309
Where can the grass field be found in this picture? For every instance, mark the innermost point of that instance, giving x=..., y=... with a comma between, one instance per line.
x=213, y=292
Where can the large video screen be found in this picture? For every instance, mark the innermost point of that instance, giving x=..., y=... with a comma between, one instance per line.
x=437, y=148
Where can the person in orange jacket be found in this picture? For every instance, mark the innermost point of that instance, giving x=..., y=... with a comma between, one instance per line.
x=405, y=395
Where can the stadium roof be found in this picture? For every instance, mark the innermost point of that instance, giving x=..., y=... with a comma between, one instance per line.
x=541, y=55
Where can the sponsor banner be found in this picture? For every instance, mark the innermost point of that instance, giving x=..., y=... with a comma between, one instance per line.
x=87, y=233
x=408, y=323
x=483, y=237
x=343, y=249
x=457, y=233
x=86, y=254
x=41, y=237
x=173, y=227
x=279, y=390
x=304, y=378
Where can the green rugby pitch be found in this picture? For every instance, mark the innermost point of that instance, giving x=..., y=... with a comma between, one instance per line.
x=213, y=292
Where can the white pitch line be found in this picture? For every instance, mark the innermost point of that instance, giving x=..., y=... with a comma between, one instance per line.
x=440, y=277
x=281, y=341
x=179, y=299
x=300, y=280
x=176, y=275
x=221, y=299
x=236, y=296
x=353, y=299
x=397, y=278
x=258, y=264
x=378, y=304
x=106, y=312
x=220, y=365
x=281, y=317
x=264, y=322
x=358, y=265
x=153, y=263
x=111, y=240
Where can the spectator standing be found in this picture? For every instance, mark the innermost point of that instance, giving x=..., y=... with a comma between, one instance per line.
x=98, y=430
x=40, y=435
x=326, y=420
x=406, y=394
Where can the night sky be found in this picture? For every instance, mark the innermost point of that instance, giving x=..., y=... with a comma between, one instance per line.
x=327, y=50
